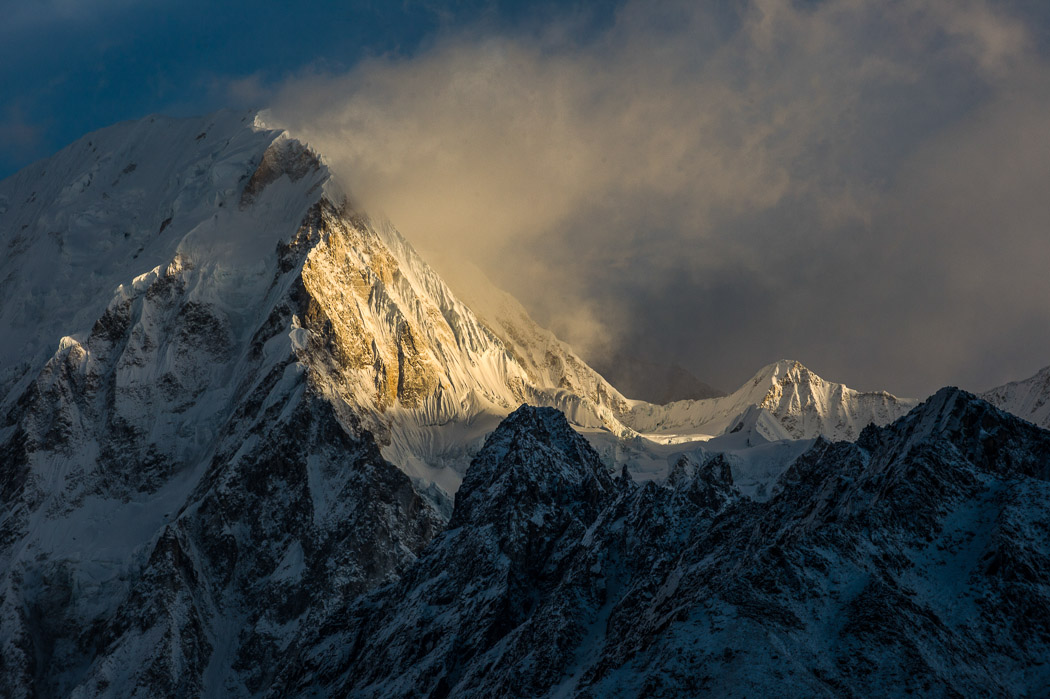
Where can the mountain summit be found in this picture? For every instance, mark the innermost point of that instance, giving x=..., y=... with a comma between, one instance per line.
x=175, y=464
x=215, y=210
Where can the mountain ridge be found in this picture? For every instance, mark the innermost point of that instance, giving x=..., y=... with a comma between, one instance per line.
x=247, y=404
x=428, y=376
x=205, y=431
x=910, y=561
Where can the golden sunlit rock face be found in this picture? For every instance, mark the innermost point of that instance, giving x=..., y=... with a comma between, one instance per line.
x=348, y=277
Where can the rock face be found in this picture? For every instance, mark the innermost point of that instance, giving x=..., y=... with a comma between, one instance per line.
x=914, y=560
x=233, y=204
x=1029, y=399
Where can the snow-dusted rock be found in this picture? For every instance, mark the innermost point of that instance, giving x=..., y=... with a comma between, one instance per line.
x=209, y=361
x=179, y=488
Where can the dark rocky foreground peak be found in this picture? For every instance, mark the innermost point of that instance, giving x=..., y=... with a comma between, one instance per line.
x=533, y=466
x=915, y=560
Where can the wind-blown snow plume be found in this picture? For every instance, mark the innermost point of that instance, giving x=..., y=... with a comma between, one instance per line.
x=694, y=172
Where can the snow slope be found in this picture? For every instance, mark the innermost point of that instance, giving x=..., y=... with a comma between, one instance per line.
x=115, y=205
x=204, y=350
x=784, y=402
x=121, y=206
x=215, y=203
x=430, y=375
x=547, y=360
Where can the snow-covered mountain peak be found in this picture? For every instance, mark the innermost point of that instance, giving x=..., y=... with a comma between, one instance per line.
x=780, y=369
x=791, y=378
x=773, y=380
x=211, y=212
x=804, y=405
x=932, y=539
x=216, y=374
x=943, y=413
x=952, y=410
x=225, y=218
x=1028, y=399
x=974, y=428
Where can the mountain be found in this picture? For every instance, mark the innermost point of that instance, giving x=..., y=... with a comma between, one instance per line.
x=547, y=360
x=232, y=404
x=911, y=561
x=1029, y=399
x=802, y=405
x=540, y=350
x=797, y=403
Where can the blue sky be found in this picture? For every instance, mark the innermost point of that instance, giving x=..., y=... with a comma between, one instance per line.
x=856, y=184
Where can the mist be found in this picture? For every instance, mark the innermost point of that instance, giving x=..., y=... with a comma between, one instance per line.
x=857, y=185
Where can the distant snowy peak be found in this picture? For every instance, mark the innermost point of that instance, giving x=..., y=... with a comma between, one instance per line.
x=1028, y=399
x=803, y=404
x=784, y=400
x=218, y=207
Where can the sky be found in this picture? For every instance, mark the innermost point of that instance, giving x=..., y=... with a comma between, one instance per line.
x=857, y=184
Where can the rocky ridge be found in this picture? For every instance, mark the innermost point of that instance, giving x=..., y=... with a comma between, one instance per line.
x=178, y=485
x=201, y=436
x=913, y=560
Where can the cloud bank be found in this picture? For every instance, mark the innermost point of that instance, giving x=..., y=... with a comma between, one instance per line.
x=856, y=184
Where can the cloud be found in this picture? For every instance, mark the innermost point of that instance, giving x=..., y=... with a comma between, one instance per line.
x=18, y=137
x=726, y=185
